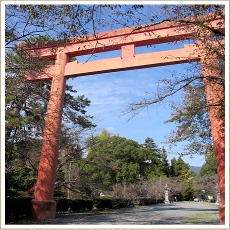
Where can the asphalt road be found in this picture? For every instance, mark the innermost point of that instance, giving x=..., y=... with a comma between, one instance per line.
x=182, y=213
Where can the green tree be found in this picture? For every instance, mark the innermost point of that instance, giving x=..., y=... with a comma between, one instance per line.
x=188, y=193
x=133, y=159
x=25, y=112
x=166, y=167
x=157, y=164
x=179, y=169
x=193, y=174
x=101, y=168
x=150, y=144
x=172, y=167
x=113, y=159
x=209, y=167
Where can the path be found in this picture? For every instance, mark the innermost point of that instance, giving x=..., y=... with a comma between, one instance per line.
x=176, y=213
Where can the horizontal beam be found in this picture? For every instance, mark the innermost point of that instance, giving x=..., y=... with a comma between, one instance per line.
x=74, y=69
x=113, y=40
x=124, y=31
x=115, y=43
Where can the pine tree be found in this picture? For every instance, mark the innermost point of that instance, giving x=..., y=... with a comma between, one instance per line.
x=179, y=169
x=165, y=162
x=25, y=113
x=209, y=167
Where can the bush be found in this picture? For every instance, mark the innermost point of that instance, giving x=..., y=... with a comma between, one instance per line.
x=17, y=207
x=81, y=204
x=74, y=204
x=159, y=201
x=121, y=203
x=149, y=201
x=63, y=204
x=146, y=201
x=97, y=203
x=103, y=203
x=21, y=207
x=188, y=194
x=12, y=192
x=110, y=203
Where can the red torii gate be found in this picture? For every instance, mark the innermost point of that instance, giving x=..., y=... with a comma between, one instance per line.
x=126, y=39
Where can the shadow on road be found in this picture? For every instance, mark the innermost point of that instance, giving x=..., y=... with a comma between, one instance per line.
x=177, y=213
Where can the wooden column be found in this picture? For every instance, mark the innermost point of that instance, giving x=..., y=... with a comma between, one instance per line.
x=215, y=94
x=43, y=206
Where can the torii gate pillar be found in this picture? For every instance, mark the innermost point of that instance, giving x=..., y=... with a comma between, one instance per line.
x=43, y=206
x=215, y=95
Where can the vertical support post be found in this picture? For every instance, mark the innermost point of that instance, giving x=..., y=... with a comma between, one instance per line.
x=43, y=206
x=215, y=94
x=128, y=55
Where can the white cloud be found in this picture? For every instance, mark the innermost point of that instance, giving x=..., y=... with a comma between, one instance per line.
x=110, y=129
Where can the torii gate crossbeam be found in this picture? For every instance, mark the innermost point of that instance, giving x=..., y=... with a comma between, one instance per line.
x=127, y=61
x=43, y=205
x=167, y=31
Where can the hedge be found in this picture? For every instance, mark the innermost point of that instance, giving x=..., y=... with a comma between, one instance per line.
x=111, y=203
x=17, y=207
x=149, y=201
x=74, y=204
x=21, y=207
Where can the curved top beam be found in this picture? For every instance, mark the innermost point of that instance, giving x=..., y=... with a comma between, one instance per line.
x=166, y=31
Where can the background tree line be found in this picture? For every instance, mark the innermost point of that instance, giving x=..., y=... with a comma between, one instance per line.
x=120, y=167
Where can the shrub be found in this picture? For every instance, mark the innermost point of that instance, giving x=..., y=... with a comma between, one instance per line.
x=149, y=201
x=146, y=201
x=74, y=204
x=188, y=194
x=103, y=203
x=12, y=192
x=110, y=203
x=63, y=204
x=17, y=207
x=81, y=204
x=21, y=207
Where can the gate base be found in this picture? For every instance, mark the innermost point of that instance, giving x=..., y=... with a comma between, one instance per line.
x=222, y=215
x=43, y=209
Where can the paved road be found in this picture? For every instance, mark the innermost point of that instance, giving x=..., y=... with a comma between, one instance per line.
x=185, y=213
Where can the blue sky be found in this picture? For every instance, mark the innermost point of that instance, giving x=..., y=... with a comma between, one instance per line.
x=111, y=93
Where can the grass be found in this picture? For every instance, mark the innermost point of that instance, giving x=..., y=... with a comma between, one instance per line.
x=211, y=218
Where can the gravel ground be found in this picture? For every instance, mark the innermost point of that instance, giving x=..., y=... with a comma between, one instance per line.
x=178, y=213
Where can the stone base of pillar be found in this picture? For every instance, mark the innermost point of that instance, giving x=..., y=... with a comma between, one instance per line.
x=43, y=209
x=222, y=214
